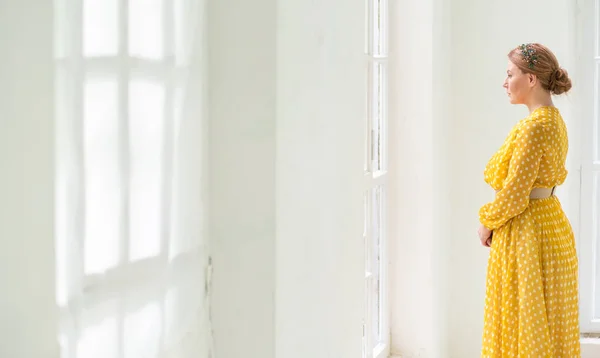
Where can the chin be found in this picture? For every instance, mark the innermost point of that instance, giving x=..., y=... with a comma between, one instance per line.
x=512, y=100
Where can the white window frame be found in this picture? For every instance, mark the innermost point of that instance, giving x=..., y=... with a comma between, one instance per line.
x=376, y=178
x=87, y=299
x=588, y=243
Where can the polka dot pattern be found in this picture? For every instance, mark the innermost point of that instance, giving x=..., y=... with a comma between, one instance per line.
x=531, y=305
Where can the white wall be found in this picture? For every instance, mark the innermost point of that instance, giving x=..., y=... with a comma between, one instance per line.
x=412, y=153
x=448, y=125
x=321, y=117
x=242, y=175
x=27, y=310
x=420, y=123
x=287, y=125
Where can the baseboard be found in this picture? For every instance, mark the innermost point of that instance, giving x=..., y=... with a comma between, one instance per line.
x=590, y=347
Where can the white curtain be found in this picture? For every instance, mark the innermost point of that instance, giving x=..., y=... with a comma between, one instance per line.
x=133, y=267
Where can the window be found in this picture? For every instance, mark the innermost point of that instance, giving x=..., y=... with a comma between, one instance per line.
x=128, y=262
x=376, y=324
x=589, y=235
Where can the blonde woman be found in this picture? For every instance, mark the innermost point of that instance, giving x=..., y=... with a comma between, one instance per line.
x=531, y=305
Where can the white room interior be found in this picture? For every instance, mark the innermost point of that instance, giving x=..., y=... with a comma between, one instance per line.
x=260, y=249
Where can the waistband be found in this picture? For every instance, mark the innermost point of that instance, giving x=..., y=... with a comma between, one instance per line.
x=540, y=193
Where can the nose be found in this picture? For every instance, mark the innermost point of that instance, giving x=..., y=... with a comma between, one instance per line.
x=505, y=84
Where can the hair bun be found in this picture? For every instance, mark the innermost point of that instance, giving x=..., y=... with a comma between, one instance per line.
x=559, y=81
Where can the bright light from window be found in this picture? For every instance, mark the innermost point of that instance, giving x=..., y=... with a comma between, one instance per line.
x=142, y=332
x=100, y=340
x=102, y=175
x=146, y=29
x=100, y=28
x=146, y=139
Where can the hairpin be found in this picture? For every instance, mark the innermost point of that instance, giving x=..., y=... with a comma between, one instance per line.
x=528, y=53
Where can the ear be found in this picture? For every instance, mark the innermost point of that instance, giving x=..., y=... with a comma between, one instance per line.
x=532, y=79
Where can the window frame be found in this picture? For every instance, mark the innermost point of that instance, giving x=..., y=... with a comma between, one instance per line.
x=376, y=179
x=587, y=240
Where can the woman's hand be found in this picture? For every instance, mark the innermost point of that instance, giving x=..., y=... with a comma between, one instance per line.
x=485, y=236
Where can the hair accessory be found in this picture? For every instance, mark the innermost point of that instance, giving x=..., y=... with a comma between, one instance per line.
x=528, y=53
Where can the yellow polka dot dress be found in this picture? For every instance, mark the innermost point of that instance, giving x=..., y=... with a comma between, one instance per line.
x=531, y=304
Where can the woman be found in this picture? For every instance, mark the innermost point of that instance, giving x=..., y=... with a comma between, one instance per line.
x=531, y=305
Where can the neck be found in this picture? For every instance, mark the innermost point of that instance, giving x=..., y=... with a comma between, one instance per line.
x=540, y=100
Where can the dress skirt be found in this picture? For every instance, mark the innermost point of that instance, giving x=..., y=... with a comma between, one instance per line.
x=531, y=304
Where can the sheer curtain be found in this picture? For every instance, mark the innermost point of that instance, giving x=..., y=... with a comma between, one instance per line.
x=133, y=269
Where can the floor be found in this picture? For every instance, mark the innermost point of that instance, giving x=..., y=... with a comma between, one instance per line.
x=590, y=348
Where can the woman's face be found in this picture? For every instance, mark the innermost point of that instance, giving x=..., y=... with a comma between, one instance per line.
x=518, y=85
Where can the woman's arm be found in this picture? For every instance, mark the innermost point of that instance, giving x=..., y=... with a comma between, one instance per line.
x=524, y=165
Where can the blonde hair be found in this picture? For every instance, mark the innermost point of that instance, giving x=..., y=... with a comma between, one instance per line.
x=542, y=63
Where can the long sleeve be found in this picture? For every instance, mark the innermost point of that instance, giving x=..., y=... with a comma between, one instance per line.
x=523, y=169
